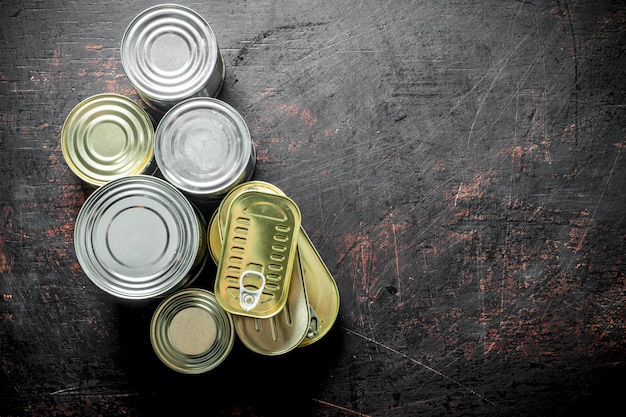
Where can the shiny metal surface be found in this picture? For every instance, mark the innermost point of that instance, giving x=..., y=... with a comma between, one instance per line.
x=203, y=147
x=190, y=332
x=108, y=136
x=138, y=237
x=170, y=53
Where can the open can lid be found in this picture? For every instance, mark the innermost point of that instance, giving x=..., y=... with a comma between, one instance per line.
x=137, y=237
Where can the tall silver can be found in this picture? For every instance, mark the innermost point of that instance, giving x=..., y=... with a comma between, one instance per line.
x=170, y=53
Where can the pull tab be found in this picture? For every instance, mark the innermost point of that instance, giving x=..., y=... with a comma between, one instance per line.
x=313, y=323
x=248, y=299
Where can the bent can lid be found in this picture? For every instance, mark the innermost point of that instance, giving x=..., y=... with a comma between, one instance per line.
x=108, y=136
x=138, y=237
x=170, y=53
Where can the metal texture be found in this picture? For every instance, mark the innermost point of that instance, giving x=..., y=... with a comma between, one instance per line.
x=170, y=53
x=108, y=136
x=261, y=236
x=190, y=332
x=138, y=237
x=203, y=147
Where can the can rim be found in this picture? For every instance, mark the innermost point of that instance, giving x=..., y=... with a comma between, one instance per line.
x=216, y=164
x=163, y=345
x=88, y=164
x=164, y=85
x=178, y=238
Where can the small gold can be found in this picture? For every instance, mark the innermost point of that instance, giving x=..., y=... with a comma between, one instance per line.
x=190, y=332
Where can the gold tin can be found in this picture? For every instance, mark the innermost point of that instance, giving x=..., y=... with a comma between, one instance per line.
x=190, y=332
x=108, y=136
x=170, y=53
x=321, y=288
x=203, y=147
x=258, y=253
x=283, y=331
x=138, y=237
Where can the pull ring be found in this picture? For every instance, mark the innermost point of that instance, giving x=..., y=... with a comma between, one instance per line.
x=248, y=299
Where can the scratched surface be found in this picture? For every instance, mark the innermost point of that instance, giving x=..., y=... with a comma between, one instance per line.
x=460, y=166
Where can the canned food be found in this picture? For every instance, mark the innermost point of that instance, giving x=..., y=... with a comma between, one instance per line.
x=190, y=332
x=283, y=331
x=257, y=257
x=321, y=288
x=203, y=147
x=138, y=237
x=108, y=136
x=170, y=53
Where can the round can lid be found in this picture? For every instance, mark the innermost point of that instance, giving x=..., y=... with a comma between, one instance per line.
x=137, y=237
x=169, y=52
x=190, y=332
x=203, y=147
x=107, y=136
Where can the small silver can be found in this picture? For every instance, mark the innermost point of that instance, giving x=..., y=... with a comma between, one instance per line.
x=170, y=53
x=203, y=147
x=138, y=237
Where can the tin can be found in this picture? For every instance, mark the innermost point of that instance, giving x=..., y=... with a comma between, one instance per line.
x=321, y=288
x=108, y=136
x=203, y=147
x=138, y=237
x=190, y=332
x=170, y=53
x=283, y=331
x=257, y=257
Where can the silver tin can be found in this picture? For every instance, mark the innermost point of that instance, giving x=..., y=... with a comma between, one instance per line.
x=138, y=237
x=190, y=332
x=203, y=147
x=170, y=53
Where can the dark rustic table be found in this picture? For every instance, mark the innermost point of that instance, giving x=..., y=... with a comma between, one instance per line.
x=459, y=165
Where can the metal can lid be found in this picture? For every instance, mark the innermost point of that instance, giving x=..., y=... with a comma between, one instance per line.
x=203, y=147
x=257, y=257
x=108, y=136
x=138, y=237
x=284, y=331
x=169, y=52
x=190, y=332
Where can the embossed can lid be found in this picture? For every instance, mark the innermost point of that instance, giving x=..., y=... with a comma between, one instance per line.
x=108, y=136
x=190, y=332
x=139, y=237
x=203, y=147
x=169, y=52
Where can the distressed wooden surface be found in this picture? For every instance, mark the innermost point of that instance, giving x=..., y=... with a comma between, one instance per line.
x=460, y=166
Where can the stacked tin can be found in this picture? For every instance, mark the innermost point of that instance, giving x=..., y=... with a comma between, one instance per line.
x=140, y=236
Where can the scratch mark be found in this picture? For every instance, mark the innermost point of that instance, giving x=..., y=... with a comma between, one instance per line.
x=593, y=214
x=422, y=364
x=347, y=410
x=397, y=258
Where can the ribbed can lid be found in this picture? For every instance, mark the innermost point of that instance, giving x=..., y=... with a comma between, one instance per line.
x=108, y=136
x=190, y=332
x=137, y=237
x=203, y=147
x=169, y=52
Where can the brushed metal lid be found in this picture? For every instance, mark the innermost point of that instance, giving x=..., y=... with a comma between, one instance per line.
x=190, y=332
x=108, y=136
x=169, y=52
x=203, y=147
x=139, y=237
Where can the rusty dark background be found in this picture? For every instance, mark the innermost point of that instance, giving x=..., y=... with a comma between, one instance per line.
x=460, y=166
